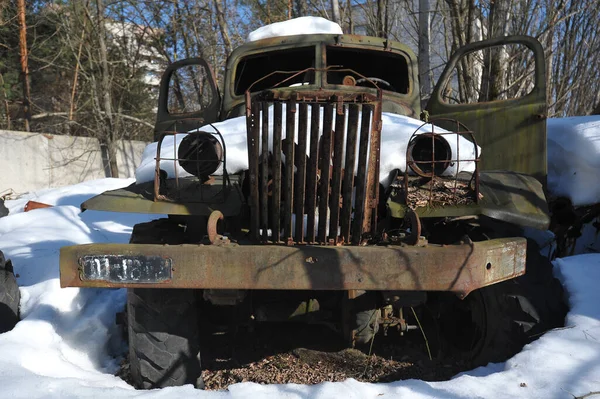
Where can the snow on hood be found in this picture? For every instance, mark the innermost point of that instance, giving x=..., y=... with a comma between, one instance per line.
x=395, y=134
x=574, y=158
x=296, y=26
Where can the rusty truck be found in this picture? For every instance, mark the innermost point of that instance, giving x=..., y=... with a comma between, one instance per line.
x=309, y=226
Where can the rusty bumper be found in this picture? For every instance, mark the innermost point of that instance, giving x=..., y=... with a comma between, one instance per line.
x=457, y=268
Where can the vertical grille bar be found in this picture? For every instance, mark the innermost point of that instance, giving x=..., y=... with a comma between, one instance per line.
x=359, y=205
x=301, y=174
x=325, y=160
x=370, y=220
x=253, y=144
x=264, y=171
x=311, y=186
x=336, y=174
x=348, y=182
x=277, y=122
x=288, y=191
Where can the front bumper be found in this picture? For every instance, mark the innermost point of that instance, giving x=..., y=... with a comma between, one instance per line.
x=456, y=268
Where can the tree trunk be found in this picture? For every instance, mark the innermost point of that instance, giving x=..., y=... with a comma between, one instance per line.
x=223, y=26
x=596, y=110
x=350, y=18
x=335, y=6
x=494, y=82
x=109, y=126
x=24, y=63
x=424, y=47
x=379, y=22
x=301, y=9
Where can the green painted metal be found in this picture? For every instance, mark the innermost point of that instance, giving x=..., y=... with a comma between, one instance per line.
x=185, y=122
x=511, y=133
x=508, y=196
x=139, y=198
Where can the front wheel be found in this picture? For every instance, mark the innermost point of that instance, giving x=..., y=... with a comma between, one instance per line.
x=495, y=322
x=164, y=347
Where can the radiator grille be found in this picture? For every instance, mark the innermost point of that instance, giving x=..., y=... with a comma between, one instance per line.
x=309, y=156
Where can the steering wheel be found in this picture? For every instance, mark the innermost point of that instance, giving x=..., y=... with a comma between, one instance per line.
x=377, y=80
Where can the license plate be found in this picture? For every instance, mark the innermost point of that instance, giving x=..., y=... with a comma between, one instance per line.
x=125, y=269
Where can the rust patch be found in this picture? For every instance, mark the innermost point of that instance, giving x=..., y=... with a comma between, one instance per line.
x=31, y=205
x=456, y=268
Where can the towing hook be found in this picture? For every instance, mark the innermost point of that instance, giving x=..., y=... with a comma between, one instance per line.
x=211, y=227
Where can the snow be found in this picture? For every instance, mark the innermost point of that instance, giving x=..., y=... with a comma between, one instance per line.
x=67, y=345
x=395, y=134
x=573, y=160
x=296, y=26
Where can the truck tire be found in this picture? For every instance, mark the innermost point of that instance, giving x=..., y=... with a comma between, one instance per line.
x=495, y=322
x=164, y=345
x=9, y=296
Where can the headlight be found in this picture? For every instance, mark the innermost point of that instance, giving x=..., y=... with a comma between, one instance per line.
x=200, y=154
x=429, y=154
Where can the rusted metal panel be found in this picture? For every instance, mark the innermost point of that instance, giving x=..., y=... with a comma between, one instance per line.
x=455, y=268
x=253, y=128
x=289, y=150
x=299, y=191
x=264, y=174
x=312, y=179
x=363, y=148
x=339, y=134
x=324, y=176
x=301, y=173
x=349, y=167
x=277, y=125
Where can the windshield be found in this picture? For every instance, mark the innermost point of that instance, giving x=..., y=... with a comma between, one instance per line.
x=388, y=70
x=254, y=67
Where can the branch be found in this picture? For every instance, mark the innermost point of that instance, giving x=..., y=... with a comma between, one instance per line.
x=126, y=117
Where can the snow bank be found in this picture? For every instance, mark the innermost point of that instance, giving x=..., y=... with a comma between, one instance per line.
x=67, y=345
x=395, y=134
x=574, y=158
x=296, y=26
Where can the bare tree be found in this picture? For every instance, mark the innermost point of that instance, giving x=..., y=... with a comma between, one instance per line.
x=24, y=63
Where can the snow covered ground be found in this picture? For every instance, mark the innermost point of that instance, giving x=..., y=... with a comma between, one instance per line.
x=574, y=158
x=67, y=344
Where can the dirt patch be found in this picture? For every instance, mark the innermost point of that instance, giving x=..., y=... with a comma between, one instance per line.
x=311, y=355
x=308, y=354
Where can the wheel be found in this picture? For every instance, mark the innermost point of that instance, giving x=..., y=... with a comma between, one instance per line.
x=9, y=296
x=495, y=322
x=164, y=344
x=361, y=318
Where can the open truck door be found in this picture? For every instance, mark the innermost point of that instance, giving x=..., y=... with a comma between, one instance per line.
x=497, y=88
x=188, y=97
